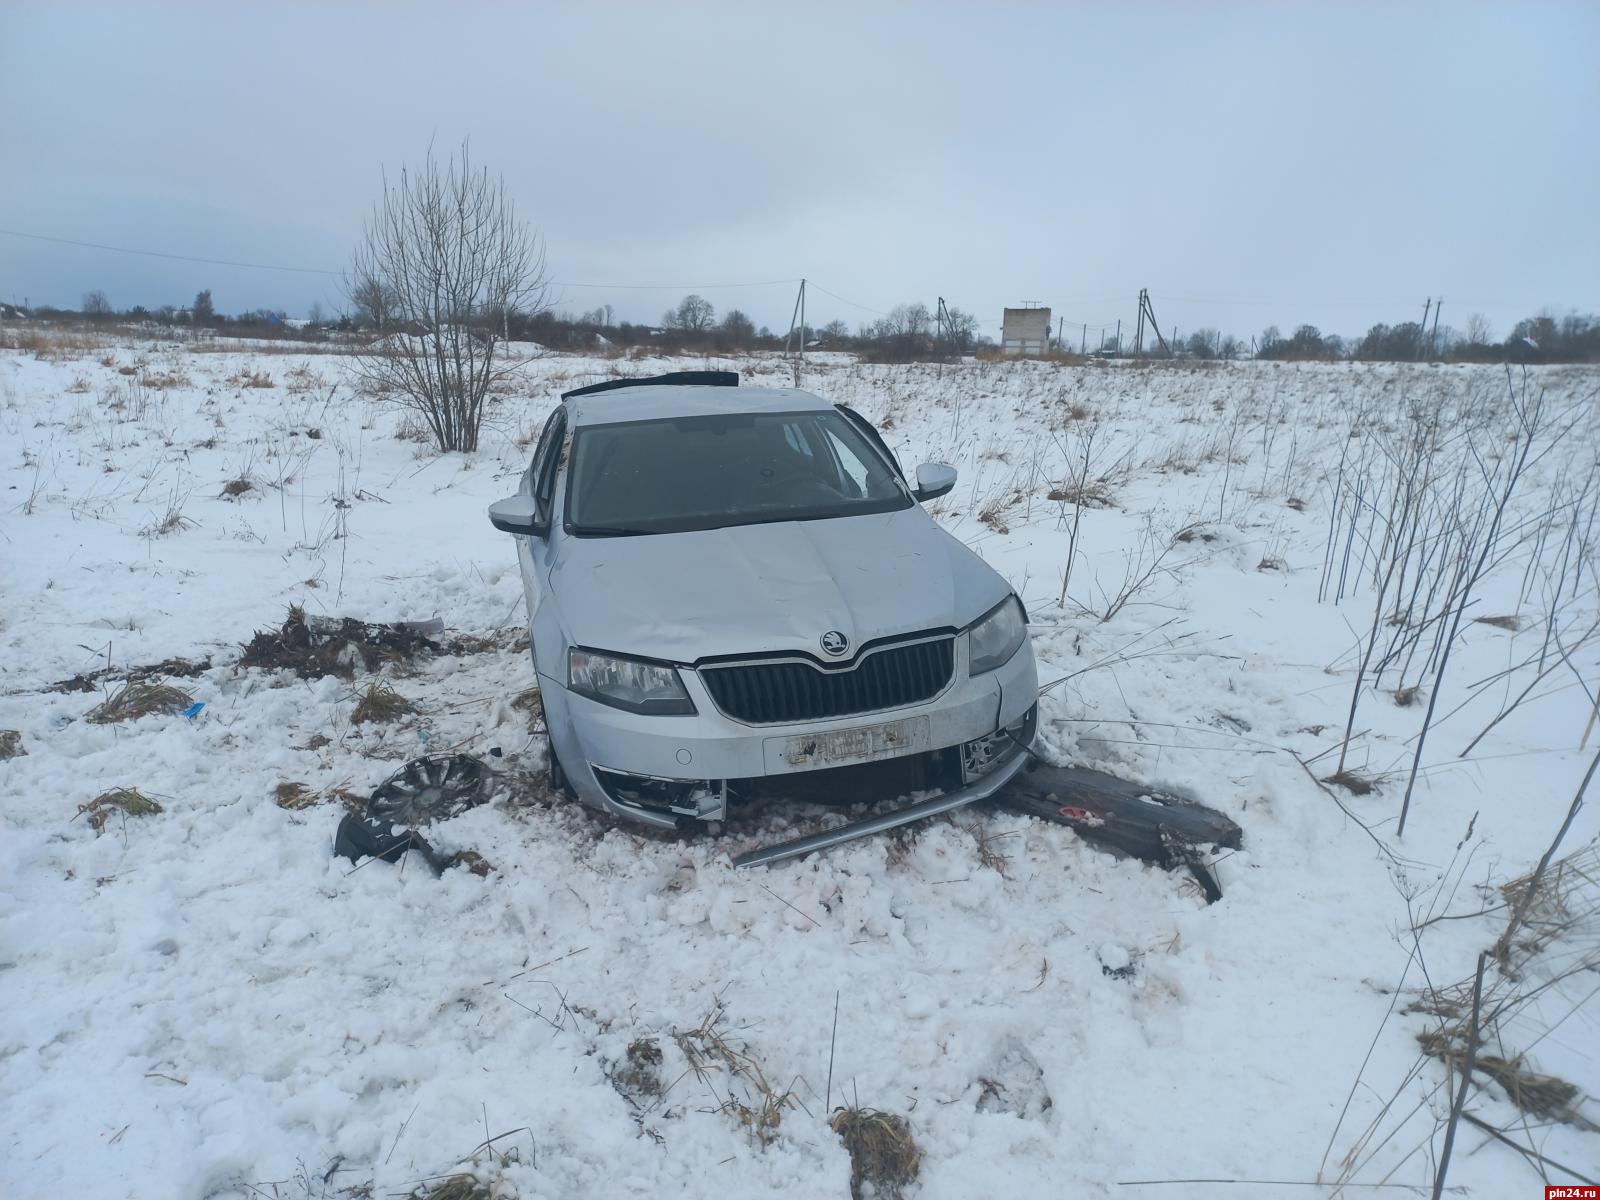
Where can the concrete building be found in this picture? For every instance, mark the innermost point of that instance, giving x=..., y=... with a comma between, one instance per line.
x=1025, y=331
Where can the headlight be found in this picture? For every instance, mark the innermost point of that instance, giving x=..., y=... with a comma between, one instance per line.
x=995, y=637
x=627, y=683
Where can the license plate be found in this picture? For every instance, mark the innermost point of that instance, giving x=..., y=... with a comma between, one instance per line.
x=841, y=747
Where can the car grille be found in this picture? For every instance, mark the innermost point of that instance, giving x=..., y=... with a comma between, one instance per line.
x=787, y=690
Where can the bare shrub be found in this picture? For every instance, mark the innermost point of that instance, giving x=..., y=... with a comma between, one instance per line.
x=444, y=264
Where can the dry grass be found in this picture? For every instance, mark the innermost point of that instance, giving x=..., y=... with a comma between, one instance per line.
x=883, y=1155
x=1507, y=622
x=1547, y=1097
x=237, y=487
x=381, y=704
x=302, y=379
x=165, y=381
x=136, y=699
x=640, y=1074
x=990, y=516
x=902, y=847
x=989, y=855
x=130, y=801
x=472, y=861
x=173, y=522
x=11, y=744
x=251, y=379
x=351, y=802
x=760, y=1110
x=529, y=702
x=1092, y=493
x=295, y=796
x=1355, y=784
x=458, y=1187
x=1566, y=906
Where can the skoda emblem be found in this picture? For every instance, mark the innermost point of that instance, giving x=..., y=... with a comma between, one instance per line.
x=834, y=643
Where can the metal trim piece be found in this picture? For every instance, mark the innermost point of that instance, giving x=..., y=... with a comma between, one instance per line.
x=973, y=792
x=827, y=668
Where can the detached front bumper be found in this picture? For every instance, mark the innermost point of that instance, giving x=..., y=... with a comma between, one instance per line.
x=672, y=771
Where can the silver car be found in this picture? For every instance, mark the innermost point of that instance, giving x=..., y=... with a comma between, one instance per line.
x=731, y=585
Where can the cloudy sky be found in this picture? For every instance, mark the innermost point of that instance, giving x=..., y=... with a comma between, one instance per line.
x=1333, y=163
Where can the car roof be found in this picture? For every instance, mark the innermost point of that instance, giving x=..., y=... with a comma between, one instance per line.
x=652, y=403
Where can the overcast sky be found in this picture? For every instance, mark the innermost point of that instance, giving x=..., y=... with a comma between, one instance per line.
x=1334, y=163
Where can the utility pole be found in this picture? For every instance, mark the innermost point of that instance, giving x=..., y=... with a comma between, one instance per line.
x=799, y=315
x=1060, y=325
x=1433, y=341
x=1083, y=348
x=1119, y=337
x=1423, y=328
x=1147, y=312
x=944, y=329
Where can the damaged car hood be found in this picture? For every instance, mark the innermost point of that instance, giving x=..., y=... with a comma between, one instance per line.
x=753, y=589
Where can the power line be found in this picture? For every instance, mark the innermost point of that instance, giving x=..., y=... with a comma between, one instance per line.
x=227, y=262
x=217, y=262
x=863, y=307
x=673, y=287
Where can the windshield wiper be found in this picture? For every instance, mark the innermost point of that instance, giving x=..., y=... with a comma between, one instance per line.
x=611, y=531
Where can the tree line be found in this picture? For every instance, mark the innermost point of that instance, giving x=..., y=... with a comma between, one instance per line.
x=1542, y=338
x=907, y=332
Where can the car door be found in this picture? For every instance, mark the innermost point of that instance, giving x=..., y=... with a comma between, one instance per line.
x=538, y=481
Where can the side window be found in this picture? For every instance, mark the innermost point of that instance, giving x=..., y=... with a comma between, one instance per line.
x=545, y=458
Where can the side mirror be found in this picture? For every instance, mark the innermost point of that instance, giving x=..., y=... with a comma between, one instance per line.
x=934, y=480
x=518, y=514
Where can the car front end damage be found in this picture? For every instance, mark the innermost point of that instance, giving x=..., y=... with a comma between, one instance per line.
x=680, y=744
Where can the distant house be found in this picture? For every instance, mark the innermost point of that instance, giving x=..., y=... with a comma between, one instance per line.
x=1025, y=331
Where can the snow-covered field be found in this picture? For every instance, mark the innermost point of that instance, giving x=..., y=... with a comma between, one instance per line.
x=206, y=1003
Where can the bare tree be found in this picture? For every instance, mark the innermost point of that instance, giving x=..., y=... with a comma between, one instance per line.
x=694, y=313
x=446, y=262
x=96, y=305
x=738, y=329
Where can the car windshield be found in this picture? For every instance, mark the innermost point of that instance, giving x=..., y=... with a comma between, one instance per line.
x=707, y=472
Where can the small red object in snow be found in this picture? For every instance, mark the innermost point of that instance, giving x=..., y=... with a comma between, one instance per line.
x=1082, y=816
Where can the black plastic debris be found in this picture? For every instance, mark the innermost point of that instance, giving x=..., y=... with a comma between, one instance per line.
x=366, y=837
x=1168, y=831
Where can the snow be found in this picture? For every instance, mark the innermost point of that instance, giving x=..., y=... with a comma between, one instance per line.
x=205, y=1003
